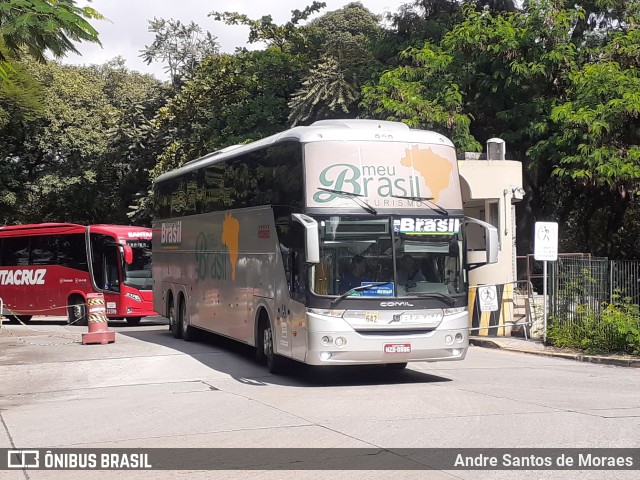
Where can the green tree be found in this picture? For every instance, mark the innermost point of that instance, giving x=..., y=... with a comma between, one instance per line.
x=85, y=157
x=134, y=143
x=30, y=28
x=231, y=99
x=286, y=37
x=341, y=58
x=38, y=26
x=180, y=47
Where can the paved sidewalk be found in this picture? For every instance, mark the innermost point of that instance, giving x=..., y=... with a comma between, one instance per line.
x=514, y=344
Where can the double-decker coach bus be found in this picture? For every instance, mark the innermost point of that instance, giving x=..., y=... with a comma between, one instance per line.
x=339, y=243
x=48, y=269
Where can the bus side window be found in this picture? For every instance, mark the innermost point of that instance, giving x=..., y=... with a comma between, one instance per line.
x=15, y=251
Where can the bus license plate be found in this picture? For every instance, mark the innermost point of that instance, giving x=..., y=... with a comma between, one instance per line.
x=397, y=348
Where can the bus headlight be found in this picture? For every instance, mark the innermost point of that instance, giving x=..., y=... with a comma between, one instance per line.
x=458, y=337
x=133, y=296
x=326, y=312
x=454, y=311
x=341, y=342
x=326, y=340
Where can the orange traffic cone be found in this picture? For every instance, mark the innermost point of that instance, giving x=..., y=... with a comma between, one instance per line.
x=98, y=327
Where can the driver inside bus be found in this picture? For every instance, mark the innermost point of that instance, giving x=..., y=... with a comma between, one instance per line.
x=356, y=274
x=408, y=272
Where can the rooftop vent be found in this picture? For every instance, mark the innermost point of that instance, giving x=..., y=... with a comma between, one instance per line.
x=495, y=149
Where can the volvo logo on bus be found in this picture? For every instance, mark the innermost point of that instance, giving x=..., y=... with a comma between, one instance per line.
x=396, y=304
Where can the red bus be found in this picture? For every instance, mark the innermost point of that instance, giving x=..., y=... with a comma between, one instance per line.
x=48, y=269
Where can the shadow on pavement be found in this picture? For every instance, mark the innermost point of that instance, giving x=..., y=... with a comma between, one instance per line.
x=146, y=321
x=231, y=357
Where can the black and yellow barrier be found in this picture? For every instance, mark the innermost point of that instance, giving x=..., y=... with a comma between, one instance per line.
x=496, y=323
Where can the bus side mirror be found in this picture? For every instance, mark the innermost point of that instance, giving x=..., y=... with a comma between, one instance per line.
x=490, y=243
x=311, y=238
x=128, y=254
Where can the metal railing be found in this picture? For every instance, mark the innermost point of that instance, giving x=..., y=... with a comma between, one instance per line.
x=521, y=288
x=582, y=287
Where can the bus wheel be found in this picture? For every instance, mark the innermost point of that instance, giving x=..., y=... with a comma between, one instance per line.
x=77, y=311
x=397, y=366
x=186, y=329
x=275, y=363
x=133, y=320
x=174, y=328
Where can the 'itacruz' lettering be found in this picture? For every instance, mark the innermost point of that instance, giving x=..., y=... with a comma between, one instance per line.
x=22, y=277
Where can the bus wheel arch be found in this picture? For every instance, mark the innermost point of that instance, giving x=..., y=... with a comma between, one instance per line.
x=265, y=351
x=77, y=310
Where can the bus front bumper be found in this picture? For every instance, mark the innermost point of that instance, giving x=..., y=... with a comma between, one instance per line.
x=368, y=349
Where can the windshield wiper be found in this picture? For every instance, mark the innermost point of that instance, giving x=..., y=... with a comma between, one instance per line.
x=429, y=200
x=356, y=197
x=447, y=299
x=357, y=289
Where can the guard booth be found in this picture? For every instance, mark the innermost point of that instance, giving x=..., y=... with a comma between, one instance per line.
x=491, y=186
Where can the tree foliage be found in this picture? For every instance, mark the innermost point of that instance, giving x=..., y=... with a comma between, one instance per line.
x=69, y=163
x=340, y=58
x=288, y=36
x=557, y=80
x=180, y=47
x=545, y=80
x=38, y=26
x=231, y=99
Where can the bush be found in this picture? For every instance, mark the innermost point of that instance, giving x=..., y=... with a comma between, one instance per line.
x=614, y=329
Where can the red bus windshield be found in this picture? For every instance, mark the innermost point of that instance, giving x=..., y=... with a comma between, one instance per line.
x=138, y=273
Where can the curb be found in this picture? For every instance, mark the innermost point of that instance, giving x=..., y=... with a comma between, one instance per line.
x=579, y=357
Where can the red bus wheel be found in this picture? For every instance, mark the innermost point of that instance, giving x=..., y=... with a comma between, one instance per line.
x=77, y=311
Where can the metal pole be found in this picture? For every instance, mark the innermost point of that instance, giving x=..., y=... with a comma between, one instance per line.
x=544, y=299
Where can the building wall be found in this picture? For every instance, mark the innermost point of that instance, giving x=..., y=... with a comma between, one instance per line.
x=490, y=188
x=488, y=194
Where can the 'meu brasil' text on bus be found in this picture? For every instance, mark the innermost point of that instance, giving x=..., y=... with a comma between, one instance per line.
x=334, y=244
x=48, y=269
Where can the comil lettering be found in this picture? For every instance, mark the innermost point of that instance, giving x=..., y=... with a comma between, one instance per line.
x=22, y=277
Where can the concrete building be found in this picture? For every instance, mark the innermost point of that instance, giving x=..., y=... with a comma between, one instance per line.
x=491, y=186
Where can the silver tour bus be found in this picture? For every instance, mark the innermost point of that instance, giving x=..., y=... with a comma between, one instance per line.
x=339, y=243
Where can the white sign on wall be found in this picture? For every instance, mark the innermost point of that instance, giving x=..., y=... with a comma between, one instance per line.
x=488, y=298
x=546, y=241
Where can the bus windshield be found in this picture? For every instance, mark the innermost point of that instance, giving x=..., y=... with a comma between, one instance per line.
x=138, y=273
x=395, y=256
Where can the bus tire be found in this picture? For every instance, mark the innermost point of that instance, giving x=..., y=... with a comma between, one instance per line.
x=174, y=326
x=133, y=320
x=275, y=363
x=397, y=366
x=187, y=331
x=77, y=311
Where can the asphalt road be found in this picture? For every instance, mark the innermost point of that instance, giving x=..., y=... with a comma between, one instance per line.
x=150, y=390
